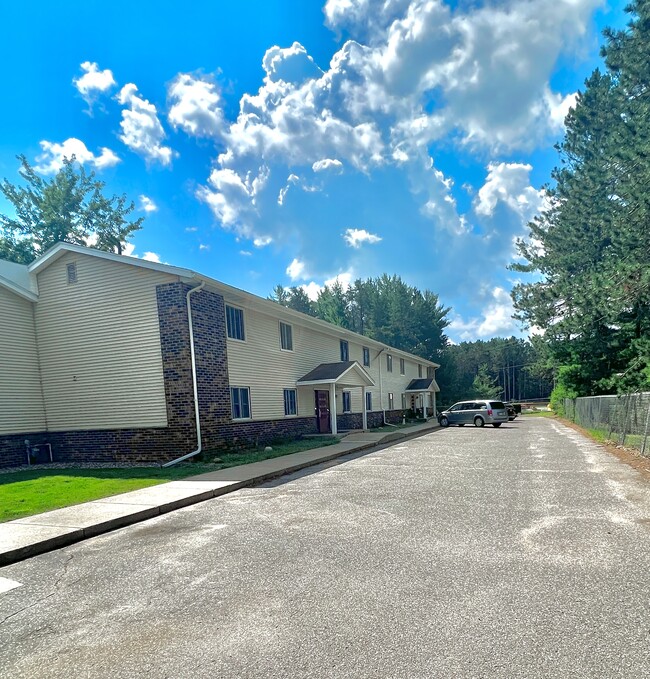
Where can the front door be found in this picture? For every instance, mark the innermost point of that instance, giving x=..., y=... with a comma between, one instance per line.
x=323, y=412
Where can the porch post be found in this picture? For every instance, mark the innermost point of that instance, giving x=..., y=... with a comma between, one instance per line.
x=333, y=408
x=364, y=414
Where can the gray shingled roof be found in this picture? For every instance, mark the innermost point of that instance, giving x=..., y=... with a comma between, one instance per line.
x=422, y=384
x=327, y=371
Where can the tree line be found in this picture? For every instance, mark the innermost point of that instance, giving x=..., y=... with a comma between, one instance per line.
x=590, y=249
x=389, y=310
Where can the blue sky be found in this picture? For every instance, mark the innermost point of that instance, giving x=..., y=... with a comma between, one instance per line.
x=297, y=142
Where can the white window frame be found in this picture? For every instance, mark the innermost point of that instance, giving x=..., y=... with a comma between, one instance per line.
x=404, y=402
x=389, y=363
x=232, y=404
x=295, y=401
x=365, y=351
x=368, y=403
x=243, y=323
x=402, y=366
x=419, y=369
x=286, y=325
x=391, y=401
x=349, y=408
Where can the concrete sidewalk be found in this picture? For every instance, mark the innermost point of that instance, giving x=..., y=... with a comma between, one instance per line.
x=24, y=538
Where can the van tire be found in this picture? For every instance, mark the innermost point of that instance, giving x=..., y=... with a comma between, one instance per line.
x=444, y=422
x=479, y=421
x=497, y=424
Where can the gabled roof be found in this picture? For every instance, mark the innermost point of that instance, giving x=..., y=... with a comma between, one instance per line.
x=61, y=249
x=348, y=373
x=423, y=384
x=15, y=277
x=235, y=295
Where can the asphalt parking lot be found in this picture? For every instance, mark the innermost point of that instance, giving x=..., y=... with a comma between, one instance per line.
x=522, y=551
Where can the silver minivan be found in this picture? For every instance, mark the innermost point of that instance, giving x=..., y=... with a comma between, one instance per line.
x=479, y=413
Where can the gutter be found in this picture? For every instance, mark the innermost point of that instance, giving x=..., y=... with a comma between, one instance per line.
x=199, y=446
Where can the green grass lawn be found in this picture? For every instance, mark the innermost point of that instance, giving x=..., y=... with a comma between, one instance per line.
x=40, y=490
x=540, y=413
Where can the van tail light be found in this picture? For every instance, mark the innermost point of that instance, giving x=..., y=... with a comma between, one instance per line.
x=489, y=412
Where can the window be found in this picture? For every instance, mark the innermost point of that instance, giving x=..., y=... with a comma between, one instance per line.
x=404, y=406
x=241, y=403
x=368, y=400
x=72, y=273
x=430, y=371
x=344, y=351
x=419, y=370
x=366, y=356
x=402, y=371
x=347, y=404
x=391, y=401
x=286, y=336
x=290, y=405
x=235, y=323
x=389, y=363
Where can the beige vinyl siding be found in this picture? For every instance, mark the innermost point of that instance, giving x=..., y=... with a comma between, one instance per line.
x=99, y=345
x=21, y=398
x=260, y=363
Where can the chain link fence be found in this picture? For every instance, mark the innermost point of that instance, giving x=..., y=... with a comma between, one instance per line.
x=624, y=419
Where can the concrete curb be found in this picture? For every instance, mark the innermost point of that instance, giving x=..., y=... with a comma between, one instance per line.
x=61, y=535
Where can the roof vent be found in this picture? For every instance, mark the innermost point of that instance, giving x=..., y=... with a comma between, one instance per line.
x=72, y=273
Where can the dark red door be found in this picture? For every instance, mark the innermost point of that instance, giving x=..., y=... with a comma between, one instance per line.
x=323, y=412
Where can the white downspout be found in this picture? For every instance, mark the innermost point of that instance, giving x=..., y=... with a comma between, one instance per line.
x=381, y=394
x=198, y=288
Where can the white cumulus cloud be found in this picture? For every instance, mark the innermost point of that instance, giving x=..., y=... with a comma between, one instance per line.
x=142, y=131
x=496, y=318
x=509, y=184
x=146, y=204
x=356, y=237
x=51, y=160
x=93, y=82
x=327, y=164
x=195, y=106
x=296, y=270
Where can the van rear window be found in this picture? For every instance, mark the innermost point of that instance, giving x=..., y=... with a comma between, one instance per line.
x=497, y=405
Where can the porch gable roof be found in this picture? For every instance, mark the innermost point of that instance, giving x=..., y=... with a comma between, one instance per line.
x=422, y=384
x=346, y=373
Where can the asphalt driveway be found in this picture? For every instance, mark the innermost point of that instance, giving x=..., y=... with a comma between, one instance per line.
x=522, y=551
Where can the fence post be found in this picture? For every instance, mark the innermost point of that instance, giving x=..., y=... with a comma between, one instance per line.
x=627, y=412
x=645, y=433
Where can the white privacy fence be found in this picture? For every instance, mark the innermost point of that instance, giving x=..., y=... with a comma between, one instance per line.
x=623, y=419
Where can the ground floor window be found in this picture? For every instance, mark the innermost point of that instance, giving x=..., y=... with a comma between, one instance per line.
x=347, y=402
x=391, y=401
x=241, y=403
x=290, y=405
x=404, y=407
x=368, y=400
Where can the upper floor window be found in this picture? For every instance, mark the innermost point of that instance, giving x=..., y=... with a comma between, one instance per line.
x=366, y=356
x=431, y=372
x=235, y=323
x=389, y=363
x=402, y=370
x=419, y=370
x=241, y=403
x=345, y=354
x=286, y=336
x=347, y=402
x=290, y=403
